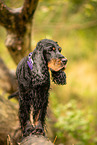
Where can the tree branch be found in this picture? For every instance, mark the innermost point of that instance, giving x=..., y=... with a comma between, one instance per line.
x=9, y=16
x=37, y=140
x=29, y=9
x=30, y=140
x=5, y=15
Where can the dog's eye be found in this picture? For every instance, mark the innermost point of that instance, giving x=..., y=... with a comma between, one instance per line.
x=54, y=48
x=59, y=49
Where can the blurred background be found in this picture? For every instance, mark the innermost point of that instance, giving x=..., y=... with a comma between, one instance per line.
x=72, y=115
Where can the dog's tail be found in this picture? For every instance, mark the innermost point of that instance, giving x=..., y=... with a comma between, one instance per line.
x=13, y=95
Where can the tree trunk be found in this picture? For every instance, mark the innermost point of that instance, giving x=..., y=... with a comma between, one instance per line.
x=18, y=24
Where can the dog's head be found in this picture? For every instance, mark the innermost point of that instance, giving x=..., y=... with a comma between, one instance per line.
x=55, y=60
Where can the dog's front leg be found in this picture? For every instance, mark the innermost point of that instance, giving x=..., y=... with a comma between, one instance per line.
x=39, y=117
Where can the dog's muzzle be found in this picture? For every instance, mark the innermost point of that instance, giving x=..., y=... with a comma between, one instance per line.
x=57, y=64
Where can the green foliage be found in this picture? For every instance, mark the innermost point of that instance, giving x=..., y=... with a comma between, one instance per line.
x=76, y=122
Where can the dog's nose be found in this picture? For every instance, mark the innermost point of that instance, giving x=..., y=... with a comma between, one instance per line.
x=64, y=61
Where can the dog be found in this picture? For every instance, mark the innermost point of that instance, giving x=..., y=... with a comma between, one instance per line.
x=34, y=83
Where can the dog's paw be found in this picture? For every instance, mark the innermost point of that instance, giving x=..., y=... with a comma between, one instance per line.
x=38, y=131
x=28, y=131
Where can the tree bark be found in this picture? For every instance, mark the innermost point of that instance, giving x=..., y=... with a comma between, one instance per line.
x=31, y=140
x=18, y=24
x=36, y=140
x=9, y=122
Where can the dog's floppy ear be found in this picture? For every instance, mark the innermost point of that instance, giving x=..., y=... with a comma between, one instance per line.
x=40, y=48
x=39, y=65
x=59, y=77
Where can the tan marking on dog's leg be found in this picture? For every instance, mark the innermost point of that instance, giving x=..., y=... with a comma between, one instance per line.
x=37, y=119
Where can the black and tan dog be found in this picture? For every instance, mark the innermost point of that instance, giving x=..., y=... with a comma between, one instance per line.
x=34, y=83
